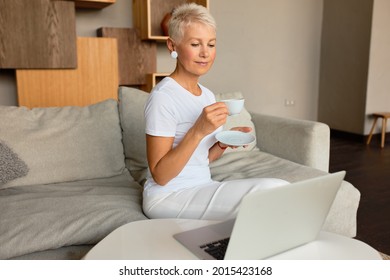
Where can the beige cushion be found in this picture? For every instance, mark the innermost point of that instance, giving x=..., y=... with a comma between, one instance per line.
x=257, y=164
x=242, y=119
x=131, y=107
x=61, y=144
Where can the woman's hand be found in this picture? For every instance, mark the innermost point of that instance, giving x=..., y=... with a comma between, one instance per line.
x=212, y=117
x=245, y=129
x=217, y=150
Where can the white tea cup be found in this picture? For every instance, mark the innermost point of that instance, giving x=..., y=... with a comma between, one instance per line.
x=234, y=105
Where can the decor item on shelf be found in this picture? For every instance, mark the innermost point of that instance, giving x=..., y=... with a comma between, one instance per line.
x=165, y=23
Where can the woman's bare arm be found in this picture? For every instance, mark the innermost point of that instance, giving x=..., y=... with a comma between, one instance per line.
x=165, y=162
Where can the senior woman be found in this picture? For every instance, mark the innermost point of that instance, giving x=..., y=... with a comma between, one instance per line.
x=182, y=119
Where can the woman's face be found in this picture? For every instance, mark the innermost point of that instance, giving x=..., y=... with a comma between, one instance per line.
x=196, y=50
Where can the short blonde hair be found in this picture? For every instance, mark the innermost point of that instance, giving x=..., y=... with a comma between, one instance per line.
x=186, y=14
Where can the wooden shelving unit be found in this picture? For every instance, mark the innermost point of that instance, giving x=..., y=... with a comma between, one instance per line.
x=92, y=4
x=136, y=57
x=95, y=79
x=39, y=34
x=148, y=14
x=153, y=79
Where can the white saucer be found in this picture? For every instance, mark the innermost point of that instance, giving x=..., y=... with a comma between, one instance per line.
x=235, y=138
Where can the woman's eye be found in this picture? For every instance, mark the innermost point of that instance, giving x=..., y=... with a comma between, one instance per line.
x=194, y=45
x=211, y=46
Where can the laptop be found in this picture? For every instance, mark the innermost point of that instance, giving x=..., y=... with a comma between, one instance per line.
x=268, y=222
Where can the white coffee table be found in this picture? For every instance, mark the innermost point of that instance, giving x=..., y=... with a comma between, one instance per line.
x=152, y=240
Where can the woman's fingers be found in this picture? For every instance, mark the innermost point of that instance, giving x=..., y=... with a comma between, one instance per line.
x=216, y=114
x=242, y=128
x=218, y=108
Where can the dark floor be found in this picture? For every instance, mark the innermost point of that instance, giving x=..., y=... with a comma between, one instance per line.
x=368, y=169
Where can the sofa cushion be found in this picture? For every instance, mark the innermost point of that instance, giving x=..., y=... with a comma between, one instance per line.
x=131, y=108
x=242, y=119
x=62, y=144
x=51, y=216
x=257, y=164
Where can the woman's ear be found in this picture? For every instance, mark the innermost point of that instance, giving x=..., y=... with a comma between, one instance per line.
x=170, y=45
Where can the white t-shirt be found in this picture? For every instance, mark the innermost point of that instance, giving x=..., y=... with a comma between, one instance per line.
x=171, y=111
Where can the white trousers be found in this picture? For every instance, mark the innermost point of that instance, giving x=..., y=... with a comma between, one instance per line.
x=213, y=201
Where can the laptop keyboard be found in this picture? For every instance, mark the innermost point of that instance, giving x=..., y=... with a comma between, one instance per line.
x=216, y=249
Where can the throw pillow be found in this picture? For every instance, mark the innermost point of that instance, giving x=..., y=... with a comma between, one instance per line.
x=11, y=166
x=131, y=108
x=61, y=144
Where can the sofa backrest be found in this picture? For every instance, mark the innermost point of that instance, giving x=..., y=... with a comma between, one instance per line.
x=61, y=144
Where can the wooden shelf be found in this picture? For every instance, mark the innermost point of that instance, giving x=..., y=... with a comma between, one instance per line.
x=136, y=57
x=148, y=14
x=153, y=79
x=92, y=4
x=94, y=80
x=37, y=34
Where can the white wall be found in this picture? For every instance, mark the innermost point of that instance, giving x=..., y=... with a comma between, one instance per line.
x=267, y=49
x=378, y=88
x=270, y=51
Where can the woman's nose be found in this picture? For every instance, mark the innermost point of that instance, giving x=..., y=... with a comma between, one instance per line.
x=204, y=52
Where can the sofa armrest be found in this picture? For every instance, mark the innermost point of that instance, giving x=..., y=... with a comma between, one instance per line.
x=301, y=141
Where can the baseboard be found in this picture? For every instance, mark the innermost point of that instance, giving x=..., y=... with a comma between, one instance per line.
x=356, y=137
x=348, y=135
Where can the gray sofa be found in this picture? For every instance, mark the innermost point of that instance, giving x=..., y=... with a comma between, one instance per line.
x=69, y=176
